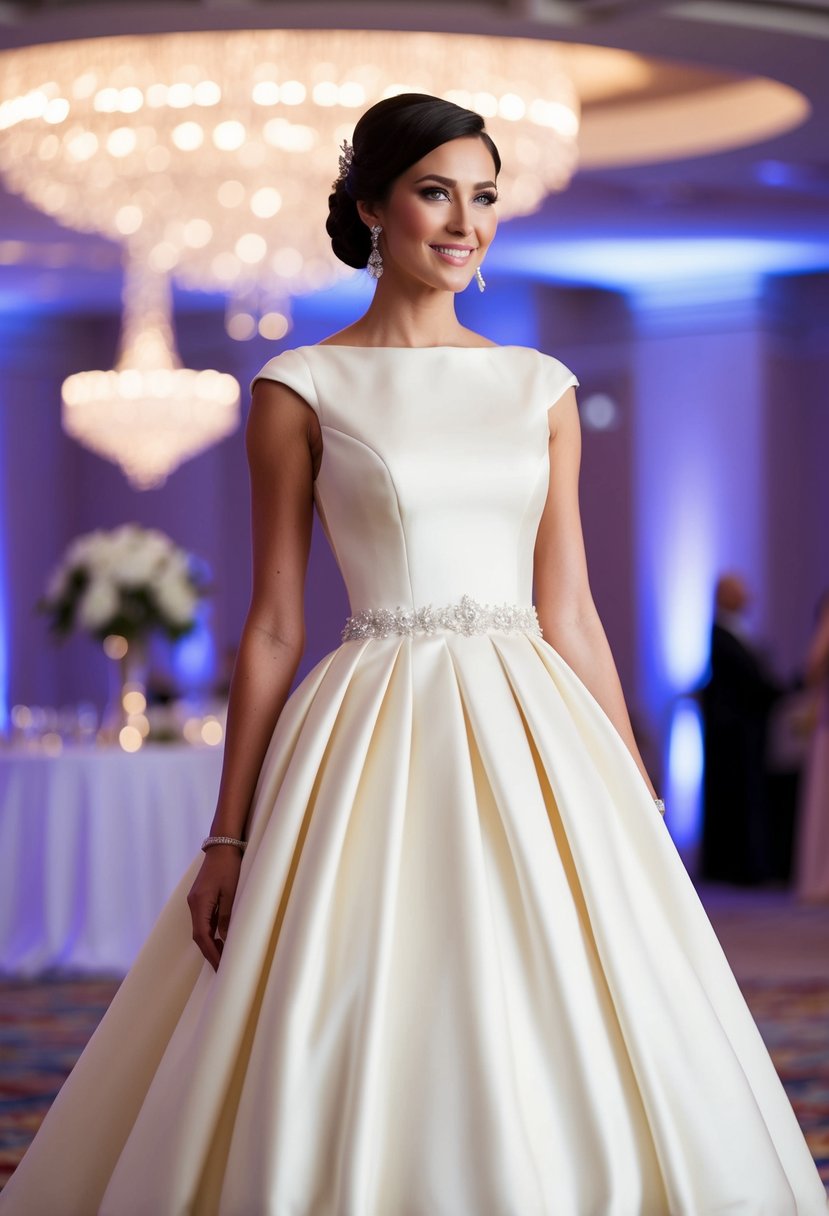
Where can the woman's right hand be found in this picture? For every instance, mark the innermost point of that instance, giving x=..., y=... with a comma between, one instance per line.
x=281, y=459
x=211, y=899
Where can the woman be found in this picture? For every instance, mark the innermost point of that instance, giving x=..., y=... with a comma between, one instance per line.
x=812, y=869
x=456, y=967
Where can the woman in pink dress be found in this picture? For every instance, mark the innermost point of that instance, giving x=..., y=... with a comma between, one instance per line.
x=813, y=833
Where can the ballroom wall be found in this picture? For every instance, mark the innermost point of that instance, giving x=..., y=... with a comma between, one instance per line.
x=716, y=457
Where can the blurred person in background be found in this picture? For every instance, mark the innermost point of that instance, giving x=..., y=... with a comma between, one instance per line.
x=736, y=702
x=812, y=882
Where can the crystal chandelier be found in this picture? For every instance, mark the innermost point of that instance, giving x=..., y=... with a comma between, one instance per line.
x=149, y=414
x=217, y=149
x=210, y=157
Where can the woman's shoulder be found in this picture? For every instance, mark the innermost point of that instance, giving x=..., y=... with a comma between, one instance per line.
x=549, y=376
x=289, y=367
x=548, y=366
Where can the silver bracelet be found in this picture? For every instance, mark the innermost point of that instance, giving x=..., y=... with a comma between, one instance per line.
x=209, y=841
x=660, y=805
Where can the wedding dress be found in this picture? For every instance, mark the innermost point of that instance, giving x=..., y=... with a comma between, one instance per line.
x=467, y=973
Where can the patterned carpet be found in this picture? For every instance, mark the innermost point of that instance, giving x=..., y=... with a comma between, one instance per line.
x=45, y=1024
x=794, y=1021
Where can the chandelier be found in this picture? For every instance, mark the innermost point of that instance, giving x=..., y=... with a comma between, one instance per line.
x=216, y=150
x=149, y=414
x=210, y=156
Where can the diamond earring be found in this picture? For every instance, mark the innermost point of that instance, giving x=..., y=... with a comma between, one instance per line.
x=375, y=258
x=479, y=279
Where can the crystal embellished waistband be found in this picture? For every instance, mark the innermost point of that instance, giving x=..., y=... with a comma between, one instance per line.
x=468, y=616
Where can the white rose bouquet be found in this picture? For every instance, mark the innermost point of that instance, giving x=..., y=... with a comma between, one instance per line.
x=130, y=581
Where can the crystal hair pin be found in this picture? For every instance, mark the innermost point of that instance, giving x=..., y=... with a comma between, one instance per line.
x=346, y=157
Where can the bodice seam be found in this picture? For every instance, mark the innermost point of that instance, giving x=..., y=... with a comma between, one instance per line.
x=317, y=486
x=392, y=482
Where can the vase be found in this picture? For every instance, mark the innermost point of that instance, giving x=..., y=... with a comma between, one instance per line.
x=127, y=680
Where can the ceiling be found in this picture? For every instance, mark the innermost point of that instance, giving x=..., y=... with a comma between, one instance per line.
x=747, y=212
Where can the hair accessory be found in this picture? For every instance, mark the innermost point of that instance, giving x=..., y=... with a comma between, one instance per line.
x=209, y=841
x=479, y=279
x=346, y=157
x=660, y=805
x=375, y=258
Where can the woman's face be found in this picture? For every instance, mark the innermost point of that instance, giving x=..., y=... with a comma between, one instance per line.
x=440, y=216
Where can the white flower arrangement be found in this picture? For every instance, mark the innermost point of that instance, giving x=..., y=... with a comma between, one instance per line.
x=130, y=581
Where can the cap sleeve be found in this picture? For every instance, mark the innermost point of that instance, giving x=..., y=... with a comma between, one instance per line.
x=291, y=369
x=557, y=378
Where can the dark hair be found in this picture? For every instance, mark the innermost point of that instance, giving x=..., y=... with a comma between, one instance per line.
x=390, y=137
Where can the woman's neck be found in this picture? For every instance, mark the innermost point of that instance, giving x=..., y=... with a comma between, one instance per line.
x=394, y=319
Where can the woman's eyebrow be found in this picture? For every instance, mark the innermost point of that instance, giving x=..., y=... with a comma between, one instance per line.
x=448, y=181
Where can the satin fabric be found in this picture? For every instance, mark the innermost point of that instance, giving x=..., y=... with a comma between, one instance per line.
x=466, y=973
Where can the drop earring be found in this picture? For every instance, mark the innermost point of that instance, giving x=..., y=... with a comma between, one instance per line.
x=479, y=279
x=375, y=258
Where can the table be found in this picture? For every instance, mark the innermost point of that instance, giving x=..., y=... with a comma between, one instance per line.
x=92, y=843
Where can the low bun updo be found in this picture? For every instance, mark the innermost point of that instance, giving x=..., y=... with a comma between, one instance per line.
x=389, y=138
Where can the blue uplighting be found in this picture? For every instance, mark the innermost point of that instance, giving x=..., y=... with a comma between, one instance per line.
x=194, y=656
x=628, y=263
x=685, y=766
x=773, y=173
x=684, y=592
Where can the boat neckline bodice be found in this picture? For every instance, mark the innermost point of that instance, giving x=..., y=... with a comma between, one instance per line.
x=442, y=346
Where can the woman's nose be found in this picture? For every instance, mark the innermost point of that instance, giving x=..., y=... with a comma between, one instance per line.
x=460, y=220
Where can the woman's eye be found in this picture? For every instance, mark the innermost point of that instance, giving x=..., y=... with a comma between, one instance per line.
x=432, y=192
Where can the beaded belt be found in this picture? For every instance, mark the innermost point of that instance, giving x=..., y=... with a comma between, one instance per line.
x=468, y=616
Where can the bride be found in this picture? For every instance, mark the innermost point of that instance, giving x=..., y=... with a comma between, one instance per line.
x=447, y=960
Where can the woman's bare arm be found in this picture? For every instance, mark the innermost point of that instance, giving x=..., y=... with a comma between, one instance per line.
x=566, y=611
x=279, y=442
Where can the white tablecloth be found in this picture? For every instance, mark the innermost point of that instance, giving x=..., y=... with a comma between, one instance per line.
x=92, y=843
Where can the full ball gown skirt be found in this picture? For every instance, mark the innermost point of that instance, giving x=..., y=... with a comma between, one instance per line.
x=467, y=973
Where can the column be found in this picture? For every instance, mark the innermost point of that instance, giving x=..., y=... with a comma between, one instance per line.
x=700, y=485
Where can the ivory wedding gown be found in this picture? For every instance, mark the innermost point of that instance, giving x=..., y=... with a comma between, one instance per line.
x=467, y=973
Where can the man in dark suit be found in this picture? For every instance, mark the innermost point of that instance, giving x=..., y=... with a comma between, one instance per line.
x=736, y=701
